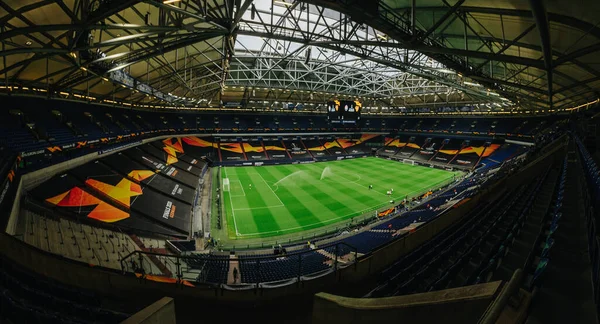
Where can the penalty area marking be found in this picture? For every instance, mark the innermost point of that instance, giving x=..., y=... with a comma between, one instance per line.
x=303, y=226
x=358, y=213
x=232, y=210
x=266, y=184
x=242, y=187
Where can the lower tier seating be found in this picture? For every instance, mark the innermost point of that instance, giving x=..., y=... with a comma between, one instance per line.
x=463, y=253
x=26, y=298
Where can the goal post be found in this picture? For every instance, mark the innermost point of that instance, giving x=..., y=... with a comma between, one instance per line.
x=407, y=161
x=226, y=184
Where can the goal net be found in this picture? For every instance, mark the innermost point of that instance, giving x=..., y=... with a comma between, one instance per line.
x=407, y=161
x=225, y=184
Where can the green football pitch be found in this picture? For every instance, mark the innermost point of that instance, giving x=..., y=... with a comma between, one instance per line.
x=276, y=200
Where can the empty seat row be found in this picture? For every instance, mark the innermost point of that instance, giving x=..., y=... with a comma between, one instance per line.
x=592, y=197
x=436, y=263
x=27, y=298
x=284, y=267
x=522, y=214
x=208, y=268
x=539, y=258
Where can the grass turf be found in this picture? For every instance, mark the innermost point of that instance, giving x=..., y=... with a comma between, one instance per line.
x=275, y=200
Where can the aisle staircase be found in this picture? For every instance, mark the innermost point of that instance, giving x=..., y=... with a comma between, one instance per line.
x=161, y=266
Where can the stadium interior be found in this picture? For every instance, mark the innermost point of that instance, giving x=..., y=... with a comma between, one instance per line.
x=299, y=161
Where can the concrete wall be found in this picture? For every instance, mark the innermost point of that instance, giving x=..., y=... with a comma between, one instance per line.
x=458, y=305
x=11, y=225
x=160, y=312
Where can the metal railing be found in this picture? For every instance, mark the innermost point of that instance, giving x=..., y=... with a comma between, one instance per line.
x=495, y=309
x=591, y=192
x=253, y=270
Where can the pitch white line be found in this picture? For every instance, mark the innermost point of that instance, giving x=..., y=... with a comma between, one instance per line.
x=358, y=214
x=241, y=186
x=297, y=227
x=356, y=182
x=364, y=187
x=265, y=207
x=232, y=210
x=263, y=179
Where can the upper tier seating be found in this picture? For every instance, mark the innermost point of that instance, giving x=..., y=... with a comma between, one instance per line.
x=15, y=136
x=88, y=121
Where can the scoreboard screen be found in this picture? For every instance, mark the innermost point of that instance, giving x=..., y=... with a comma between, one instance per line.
x=344, y=112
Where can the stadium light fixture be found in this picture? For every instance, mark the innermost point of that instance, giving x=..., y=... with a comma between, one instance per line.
x=283, y=3
x=170, y=1
x=119, y=67
x=473, y=84
x=447, y=71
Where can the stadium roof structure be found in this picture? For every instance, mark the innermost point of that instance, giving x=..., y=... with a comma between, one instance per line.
x=263, y=54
